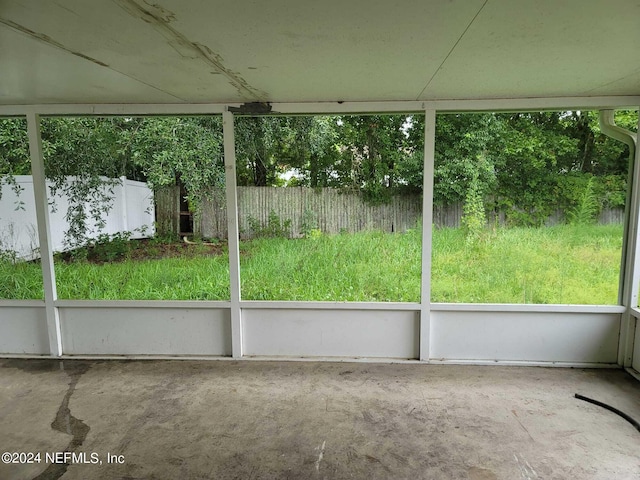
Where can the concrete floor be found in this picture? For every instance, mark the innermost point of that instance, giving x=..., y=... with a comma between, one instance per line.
x=285, y=420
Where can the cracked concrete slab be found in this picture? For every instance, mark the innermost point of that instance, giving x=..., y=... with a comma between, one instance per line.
x=254, y=419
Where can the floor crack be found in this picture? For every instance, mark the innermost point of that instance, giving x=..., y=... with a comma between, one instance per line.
x=66, y=423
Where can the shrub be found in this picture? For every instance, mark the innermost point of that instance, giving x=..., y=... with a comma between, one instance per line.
x=587, y=208
x=474, y=217
x=104, y=248
x=274, y=228
x=309, y=222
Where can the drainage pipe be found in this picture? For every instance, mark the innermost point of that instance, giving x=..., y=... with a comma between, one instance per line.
x=628, y=294
x=609, y=128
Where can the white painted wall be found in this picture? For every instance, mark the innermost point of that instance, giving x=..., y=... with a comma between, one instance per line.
x=292, y=332
x=511, y=336
x=132, y=209
x=23, y=328
x=636, y=351
x=517, y=334
x=172, y=330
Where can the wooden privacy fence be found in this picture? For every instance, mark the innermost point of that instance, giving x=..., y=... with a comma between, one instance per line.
x=330, y=210
x=451, y=216
x=168, y=210
x=327, y=209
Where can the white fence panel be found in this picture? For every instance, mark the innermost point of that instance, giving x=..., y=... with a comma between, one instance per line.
x=132, y=210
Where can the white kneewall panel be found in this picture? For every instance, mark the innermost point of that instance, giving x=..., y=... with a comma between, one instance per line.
x=331, y=333
x=23, y=330
x=525, y=336
x=636, y=348
x=145, y=331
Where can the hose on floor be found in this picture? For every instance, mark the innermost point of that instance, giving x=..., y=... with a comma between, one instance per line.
x=611, y=409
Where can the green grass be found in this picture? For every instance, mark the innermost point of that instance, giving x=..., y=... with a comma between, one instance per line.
x=369, y=266
x=562, y=264
x=203, y=278
x=20, y=281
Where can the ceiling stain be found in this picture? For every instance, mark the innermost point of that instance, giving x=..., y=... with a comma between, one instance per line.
x=54, y=43
x=47, y=39
x=160, y=19
x=66, y=8
x=160, y=12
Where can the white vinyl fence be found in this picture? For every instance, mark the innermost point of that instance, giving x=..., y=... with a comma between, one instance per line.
x=132, y=210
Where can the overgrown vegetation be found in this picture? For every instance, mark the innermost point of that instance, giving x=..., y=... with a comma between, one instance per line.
x=86, y=157
x=309, y=224
x=474, y=218
x=586, y=209
x=523, y=166
x=531, y=163
x=563, y=264
x=104, y=248
x=273, y=228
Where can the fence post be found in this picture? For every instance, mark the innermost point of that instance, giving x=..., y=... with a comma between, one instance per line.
x=44, y=234
x=125, y=204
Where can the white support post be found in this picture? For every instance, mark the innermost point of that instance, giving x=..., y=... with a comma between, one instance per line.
x=427, y=227
x=233, y=235
x=44, y=230
x=632, y=265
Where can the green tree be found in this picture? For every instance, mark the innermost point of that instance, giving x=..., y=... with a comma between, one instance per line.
x=532, y=150
x=531, y=162
x=170, y=151
x=372, y=147
x=474, y=217
x=14, y=153
x=463, y=154
x=607, y=156
x=86, y=156
x=83, y=162
x=260, y=142
x=311, y=150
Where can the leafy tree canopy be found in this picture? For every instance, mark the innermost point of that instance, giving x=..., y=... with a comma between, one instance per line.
x=525, y=161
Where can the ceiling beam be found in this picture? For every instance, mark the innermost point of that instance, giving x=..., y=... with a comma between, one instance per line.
x=327, y=108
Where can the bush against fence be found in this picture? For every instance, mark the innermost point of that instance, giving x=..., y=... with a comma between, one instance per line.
x=326, y=209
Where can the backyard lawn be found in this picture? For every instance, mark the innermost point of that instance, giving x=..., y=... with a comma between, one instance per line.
x=552, y=265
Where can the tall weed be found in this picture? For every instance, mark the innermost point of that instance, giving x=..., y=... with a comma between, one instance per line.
x=587, y=209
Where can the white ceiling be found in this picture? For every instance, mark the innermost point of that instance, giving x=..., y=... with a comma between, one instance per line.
x=200, y=51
